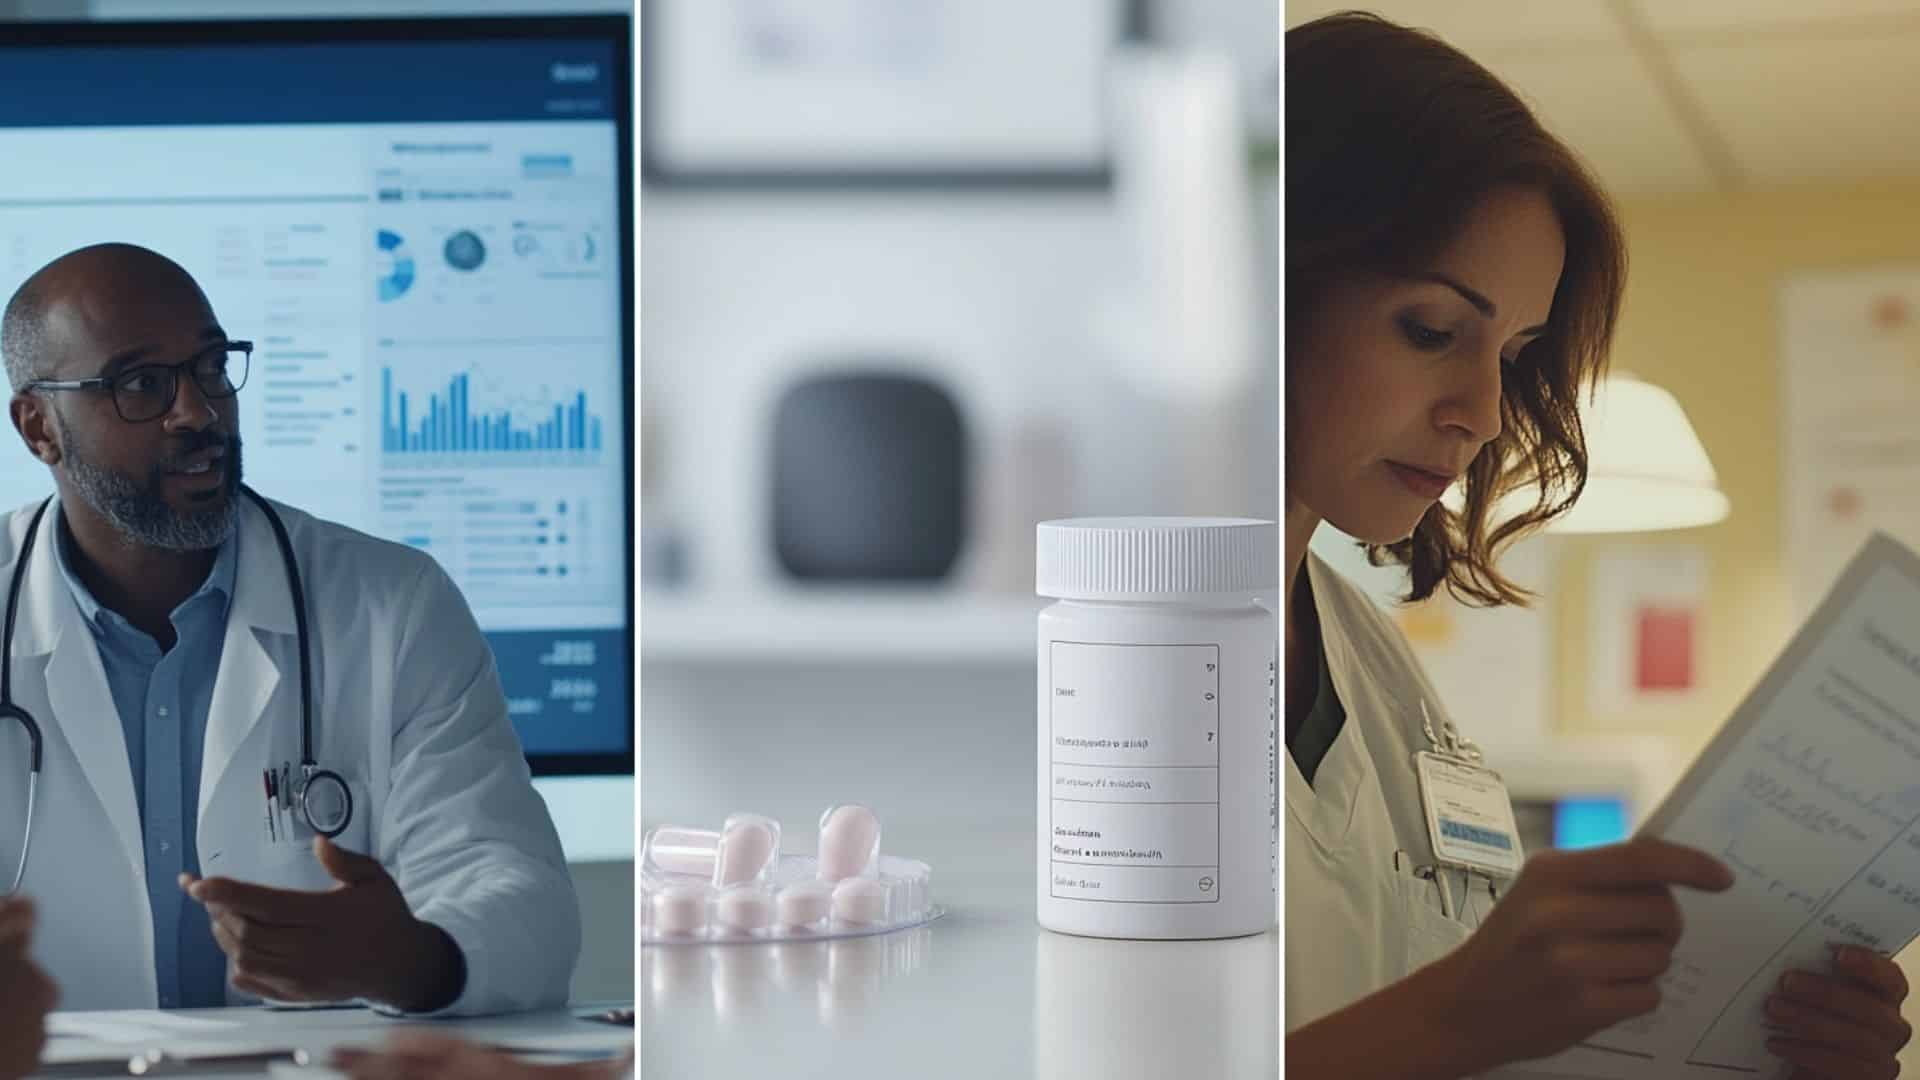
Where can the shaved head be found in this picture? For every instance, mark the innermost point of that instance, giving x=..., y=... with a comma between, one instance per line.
x=84, y=287
x=86, y=321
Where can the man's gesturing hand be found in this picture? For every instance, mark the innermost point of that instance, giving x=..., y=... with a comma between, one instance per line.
x=356, y=940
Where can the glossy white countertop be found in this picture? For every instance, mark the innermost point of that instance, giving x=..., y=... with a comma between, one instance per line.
x=982, y=992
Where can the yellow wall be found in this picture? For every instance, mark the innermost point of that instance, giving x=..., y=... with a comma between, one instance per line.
x=1702, y=320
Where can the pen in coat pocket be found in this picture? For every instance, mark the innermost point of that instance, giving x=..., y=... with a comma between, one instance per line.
x=1403, y=864
x=266, y=781
x=286, y=797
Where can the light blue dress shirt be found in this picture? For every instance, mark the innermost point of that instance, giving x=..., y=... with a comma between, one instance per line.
x=163, y=700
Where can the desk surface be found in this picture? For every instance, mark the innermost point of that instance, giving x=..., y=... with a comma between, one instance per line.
x=984, y=991
x=319, y=1032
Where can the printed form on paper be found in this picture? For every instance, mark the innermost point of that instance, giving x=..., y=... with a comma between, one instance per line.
x=1810, y=794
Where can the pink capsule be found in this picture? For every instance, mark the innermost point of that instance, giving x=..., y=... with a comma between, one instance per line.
x=748, y=846
x=678, y=849
x=849, y=842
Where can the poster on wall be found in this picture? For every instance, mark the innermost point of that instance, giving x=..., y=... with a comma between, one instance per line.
x=1645, y=609
x=1850, y=417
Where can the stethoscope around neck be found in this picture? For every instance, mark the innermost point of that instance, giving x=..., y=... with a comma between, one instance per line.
x=320, y=797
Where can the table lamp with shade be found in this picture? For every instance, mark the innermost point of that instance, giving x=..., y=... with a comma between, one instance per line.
x=1646, y=468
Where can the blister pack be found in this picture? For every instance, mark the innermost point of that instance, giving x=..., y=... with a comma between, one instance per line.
x=732, y=885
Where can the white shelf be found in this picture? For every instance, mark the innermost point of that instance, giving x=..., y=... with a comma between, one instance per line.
x=837, y=625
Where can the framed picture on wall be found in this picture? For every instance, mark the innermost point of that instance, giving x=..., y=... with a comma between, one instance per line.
x=833, y=94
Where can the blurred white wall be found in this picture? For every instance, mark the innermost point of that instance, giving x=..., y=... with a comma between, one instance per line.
x=1007, y=296
x=993, y=294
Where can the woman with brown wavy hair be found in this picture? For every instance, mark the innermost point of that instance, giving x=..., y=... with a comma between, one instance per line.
x=1453, y=279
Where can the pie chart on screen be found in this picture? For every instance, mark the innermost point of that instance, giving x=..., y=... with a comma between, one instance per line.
x=393, y=265
x=464, y=250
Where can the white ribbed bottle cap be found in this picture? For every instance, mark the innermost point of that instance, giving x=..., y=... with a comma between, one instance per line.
x=1156, y=558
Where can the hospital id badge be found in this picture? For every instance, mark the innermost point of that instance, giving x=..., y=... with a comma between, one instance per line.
x=1469, y=816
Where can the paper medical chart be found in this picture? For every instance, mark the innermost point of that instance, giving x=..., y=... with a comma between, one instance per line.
x=1810, y=793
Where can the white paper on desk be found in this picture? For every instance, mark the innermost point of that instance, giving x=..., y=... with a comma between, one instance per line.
x=140, y=1026
x=115, y=1035
x=76, y=1051
x=1810, y=793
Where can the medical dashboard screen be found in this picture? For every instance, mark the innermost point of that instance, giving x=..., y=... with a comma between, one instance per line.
x=425, y=229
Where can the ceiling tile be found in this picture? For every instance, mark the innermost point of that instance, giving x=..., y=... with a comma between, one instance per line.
x=1472, y=25
x=1586, y=85
x=1801, y=111
x=1607, y=108
x=1692, y=17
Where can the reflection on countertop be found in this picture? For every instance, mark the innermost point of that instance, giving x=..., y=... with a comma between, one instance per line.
x=984, y=991
x=842, y=976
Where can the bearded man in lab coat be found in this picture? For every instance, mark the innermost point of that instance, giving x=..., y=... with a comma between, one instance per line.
x=156, y=647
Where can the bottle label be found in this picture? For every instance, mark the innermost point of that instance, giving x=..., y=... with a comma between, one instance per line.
x=1134, y=744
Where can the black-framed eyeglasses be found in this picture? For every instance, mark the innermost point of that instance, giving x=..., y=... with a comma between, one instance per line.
x=147, y=392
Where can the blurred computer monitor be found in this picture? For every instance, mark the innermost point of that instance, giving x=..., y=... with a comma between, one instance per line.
x=1571, y=822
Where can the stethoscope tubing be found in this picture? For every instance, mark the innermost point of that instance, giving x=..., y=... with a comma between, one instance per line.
x=310, y=772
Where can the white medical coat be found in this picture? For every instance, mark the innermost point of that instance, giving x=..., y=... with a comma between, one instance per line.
x=407, y=707
x=1354, y=923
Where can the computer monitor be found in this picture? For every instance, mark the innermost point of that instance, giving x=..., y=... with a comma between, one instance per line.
x=1570, y=822
x=426, y=227
x=1589, y=821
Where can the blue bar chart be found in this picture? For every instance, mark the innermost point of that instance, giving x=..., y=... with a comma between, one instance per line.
x=449, y=422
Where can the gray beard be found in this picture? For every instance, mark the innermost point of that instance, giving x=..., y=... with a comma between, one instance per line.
x=141, y=515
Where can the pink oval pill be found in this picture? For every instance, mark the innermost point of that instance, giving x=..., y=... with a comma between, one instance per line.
x=848, y=839
x=744, y=849
x=744, y=908
x=680, y=909
x=805, y=903
x=860, y=900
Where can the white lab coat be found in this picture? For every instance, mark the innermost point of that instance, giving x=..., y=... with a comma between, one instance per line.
x=1354, y=924
x=407, y=707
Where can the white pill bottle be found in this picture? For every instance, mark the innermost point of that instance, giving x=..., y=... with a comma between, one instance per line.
x=1157, y=740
